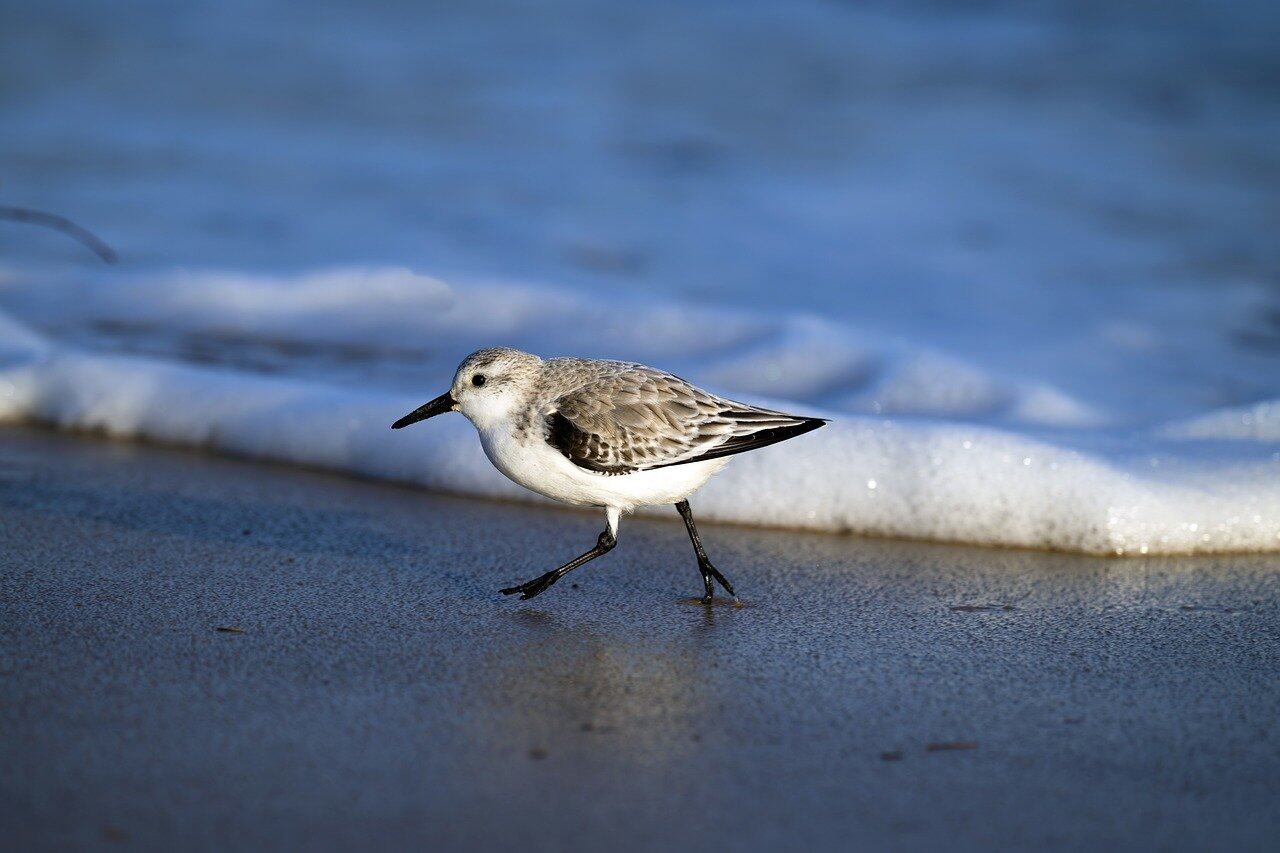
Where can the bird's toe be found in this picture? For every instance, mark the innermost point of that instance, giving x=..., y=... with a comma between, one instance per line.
x=531, y=588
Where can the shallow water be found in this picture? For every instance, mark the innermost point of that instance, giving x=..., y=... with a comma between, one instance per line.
x=1050, y=226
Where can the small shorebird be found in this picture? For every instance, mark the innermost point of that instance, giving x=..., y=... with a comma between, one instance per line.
x=608, y=434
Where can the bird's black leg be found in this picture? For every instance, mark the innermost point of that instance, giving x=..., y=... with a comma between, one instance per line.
x=704, y=565
x=604, y=544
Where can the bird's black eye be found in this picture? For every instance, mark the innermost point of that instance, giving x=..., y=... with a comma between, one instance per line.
x=477, y=380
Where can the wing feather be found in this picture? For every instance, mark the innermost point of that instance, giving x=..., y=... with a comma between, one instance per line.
x=634, y=418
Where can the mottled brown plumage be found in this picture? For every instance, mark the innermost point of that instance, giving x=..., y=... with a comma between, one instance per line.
x=618, y=418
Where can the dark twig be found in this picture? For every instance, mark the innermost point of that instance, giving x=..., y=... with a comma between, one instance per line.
x=60, y=223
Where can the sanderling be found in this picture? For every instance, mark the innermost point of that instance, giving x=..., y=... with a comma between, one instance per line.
x=607, y=434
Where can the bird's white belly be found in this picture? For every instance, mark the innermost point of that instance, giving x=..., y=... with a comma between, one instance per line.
x=541, y=468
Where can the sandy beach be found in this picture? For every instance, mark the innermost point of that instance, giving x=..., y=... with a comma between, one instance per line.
x=201, y=653
x=1022, y=257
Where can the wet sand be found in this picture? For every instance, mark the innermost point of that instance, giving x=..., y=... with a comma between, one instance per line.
x=203, y=653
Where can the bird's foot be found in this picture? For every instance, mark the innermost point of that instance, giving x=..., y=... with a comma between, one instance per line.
x=709, y=570
x=709, y=573
x=534, y=587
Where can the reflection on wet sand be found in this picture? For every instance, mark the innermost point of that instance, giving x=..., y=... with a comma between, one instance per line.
x=648, y=697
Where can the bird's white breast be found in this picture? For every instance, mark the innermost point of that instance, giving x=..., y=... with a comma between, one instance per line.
x=533, y=463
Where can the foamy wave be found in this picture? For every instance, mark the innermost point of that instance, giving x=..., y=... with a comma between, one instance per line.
x=380, y=315
x=911, y=477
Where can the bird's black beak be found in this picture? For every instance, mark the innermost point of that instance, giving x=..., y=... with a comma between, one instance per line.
x=438, y=406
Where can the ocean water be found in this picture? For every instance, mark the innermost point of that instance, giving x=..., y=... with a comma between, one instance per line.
x=1023, y=254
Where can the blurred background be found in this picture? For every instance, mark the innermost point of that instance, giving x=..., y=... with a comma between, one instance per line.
x=1052, y=214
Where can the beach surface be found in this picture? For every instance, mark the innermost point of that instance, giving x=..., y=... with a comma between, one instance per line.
x=200, y=653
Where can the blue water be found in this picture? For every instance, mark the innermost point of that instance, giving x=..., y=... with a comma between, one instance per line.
x=1060, y=193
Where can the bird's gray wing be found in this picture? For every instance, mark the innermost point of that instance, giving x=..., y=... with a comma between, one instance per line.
x=636, y=418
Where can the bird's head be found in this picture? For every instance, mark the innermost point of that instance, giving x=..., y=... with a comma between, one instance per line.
x=487, y=387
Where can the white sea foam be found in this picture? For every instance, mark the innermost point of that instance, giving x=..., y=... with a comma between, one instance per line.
x=1058, y=288
x=407, y=331
x=970, y=480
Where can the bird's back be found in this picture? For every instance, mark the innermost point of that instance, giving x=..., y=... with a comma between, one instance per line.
x=617, y=417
